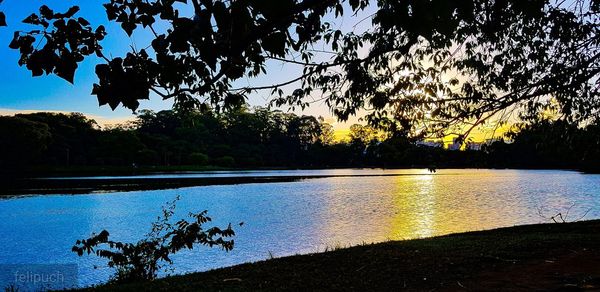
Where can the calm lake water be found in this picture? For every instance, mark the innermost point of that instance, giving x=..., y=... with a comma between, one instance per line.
x=295, y=217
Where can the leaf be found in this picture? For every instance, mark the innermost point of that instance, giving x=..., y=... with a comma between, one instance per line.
x=65, y=69
x=2, y=19
x=46, y=12
x=128, y=27
x=111, y=11
x=14, y=44
x=146, y=20
x=83, y=21
x=100, y=32
x=275, y=43
x=71, y=12
x=32, y=19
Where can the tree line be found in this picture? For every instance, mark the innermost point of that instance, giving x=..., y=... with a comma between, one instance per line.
x=259, y=137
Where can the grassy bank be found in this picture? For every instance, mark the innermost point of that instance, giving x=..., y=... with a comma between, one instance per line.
x=534, y=257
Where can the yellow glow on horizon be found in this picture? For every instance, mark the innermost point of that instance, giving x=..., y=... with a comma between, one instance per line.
x=478, y=135
x=340, y=135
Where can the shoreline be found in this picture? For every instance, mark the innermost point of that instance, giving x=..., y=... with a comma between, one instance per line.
x=529, y=257
x=90, y=185
x=92, y=171
x=12, y=187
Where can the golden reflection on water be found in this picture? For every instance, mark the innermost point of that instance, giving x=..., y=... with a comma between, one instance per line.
x=421, y=204
x=414, y=203
x=430, y=205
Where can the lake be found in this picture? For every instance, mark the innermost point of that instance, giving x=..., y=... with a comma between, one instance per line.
x=285, y=218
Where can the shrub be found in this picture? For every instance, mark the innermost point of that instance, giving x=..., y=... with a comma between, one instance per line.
x=142, y=260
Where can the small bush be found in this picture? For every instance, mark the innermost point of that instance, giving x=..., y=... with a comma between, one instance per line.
x=141, y=261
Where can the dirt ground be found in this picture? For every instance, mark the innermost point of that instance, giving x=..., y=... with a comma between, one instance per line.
x=578, y=270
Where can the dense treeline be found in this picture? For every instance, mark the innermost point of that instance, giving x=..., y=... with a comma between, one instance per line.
x=548, y=144
x=262, y=138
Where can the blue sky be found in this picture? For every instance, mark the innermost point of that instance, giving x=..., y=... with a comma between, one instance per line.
x=22, y=92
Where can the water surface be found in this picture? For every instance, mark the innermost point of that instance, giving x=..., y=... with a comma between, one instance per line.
x=296, y=217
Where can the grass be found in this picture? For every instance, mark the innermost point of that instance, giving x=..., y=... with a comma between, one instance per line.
x=533, y=257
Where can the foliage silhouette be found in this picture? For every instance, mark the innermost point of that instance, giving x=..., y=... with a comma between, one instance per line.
x=23, y=140
x=429, y=65
x=262, y=138
x=143, y=260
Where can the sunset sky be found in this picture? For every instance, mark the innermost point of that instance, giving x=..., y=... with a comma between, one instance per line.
x=22, y=93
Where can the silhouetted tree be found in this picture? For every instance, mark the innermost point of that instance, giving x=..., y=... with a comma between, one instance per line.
x=72, y=137
x=258, y=137
x=421, y=68
x=22, y=141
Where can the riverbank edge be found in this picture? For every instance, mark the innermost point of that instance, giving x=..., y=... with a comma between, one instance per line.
x=11, y=187
x=529, y=257
x=91, y=171
x=72, y=186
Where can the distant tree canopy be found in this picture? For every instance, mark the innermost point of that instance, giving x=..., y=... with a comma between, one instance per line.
x=259, y=137
x=423, y=67
x=22, y=140
x=549, y=144
x=240, y=138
